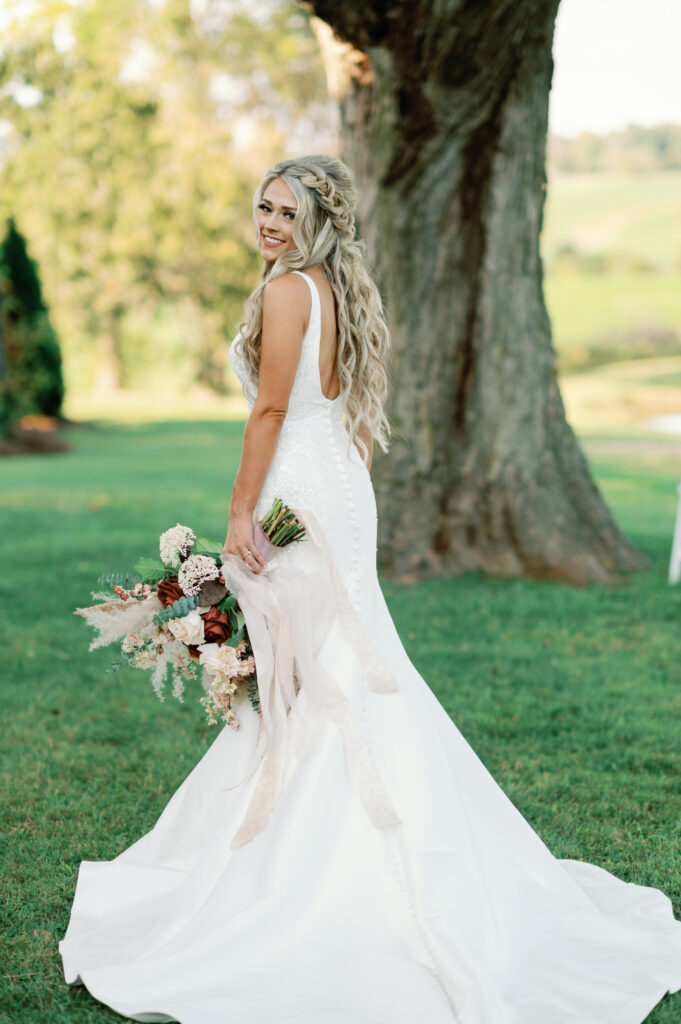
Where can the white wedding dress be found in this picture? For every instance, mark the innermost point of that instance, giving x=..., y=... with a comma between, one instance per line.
x=458, y=914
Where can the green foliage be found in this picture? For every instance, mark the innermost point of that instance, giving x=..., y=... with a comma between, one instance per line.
x=22, y=272
x=151, y=570
x=634, y=150
x=142, y=220
x=30, y=361
x=253, y=693
x=235, y=617
x=202, y=546
x=178, y=609
x=235, y=639
x=119, y=661
x=281, y=525
x=125, y=579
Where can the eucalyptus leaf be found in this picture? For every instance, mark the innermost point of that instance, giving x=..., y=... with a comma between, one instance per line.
x=125, y=579
x=235, y=639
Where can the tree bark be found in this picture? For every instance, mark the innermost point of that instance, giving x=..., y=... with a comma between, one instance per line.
x=109, y=375
x=444, y=111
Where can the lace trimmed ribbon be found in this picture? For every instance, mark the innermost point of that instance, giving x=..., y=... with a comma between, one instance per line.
x=289, y=611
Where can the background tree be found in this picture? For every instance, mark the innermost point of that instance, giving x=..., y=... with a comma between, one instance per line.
x=138, y=132
x=30, y=367
x=5, y=412
x=444, y=115
x=636, y=150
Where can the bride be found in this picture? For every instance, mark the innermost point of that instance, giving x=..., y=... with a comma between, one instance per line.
x=368, y=869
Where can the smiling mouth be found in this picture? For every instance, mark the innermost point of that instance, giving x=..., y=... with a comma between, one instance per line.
x=273, y=241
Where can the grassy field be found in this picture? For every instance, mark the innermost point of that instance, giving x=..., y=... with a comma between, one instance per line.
x=623, y=398
x=612, y=260
x=621, y=310
x=618, y=399
x=638, y=215
x=570, y=696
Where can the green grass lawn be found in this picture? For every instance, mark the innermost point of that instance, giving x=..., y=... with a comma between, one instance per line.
x=570, y=696
x=636, y=214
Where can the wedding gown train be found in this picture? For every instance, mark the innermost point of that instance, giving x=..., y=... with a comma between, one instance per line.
x=457, y=913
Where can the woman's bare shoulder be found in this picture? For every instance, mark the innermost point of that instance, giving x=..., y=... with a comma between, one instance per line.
x=289, y=284
x=285, y=298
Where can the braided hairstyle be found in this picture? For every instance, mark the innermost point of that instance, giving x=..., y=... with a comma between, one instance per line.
x=324, y=233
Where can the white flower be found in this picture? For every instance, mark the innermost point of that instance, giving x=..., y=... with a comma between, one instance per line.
x=159, y=634
x=188, y=629
x=219, y=659
x=178, y=687
x=144, y=659
x=175, y=542
x=247, y=666
x=231, y=719
x=131, y=642
x=180, y=657
x=195, y=571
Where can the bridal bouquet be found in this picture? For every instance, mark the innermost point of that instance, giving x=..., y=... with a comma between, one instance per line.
x=176, y=614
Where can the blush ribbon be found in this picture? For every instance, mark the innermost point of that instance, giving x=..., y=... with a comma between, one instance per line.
x=290, y=610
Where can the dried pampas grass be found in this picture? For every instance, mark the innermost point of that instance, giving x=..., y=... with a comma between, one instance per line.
x=114, y=619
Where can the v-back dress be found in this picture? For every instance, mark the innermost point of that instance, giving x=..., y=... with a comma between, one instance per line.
x=458, y=914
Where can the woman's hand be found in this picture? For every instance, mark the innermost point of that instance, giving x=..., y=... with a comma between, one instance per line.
x=240, y=542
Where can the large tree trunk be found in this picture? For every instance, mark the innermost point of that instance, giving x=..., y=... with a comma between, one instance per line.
x=444, y=111
x=109, y=370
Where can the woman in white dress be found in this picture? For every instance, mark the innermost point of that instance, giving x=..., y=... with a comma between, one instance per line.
x=370, y=870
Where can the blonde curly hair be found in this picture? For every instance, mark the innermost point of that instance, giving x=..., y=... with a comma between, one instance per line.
x=324, y=233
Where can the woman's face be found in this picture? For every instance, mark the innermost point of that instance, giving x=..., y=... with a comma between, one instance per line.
x=276, y=212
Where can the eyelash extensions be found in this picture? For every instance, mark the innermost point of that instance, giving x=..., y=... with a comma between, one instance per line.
x=266, y=206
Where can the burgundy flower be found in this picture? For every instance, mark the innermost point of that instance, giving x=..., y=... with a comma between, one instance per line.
x=168, y=591
x=216, y=627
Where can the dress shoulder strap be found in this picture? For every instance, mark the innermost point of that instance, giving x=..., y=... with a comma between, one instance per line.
x=312, y=286
x=315, y=312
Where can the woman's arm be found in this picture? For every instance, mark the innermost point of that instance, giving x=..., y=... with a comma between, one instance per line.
x=283, y=327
